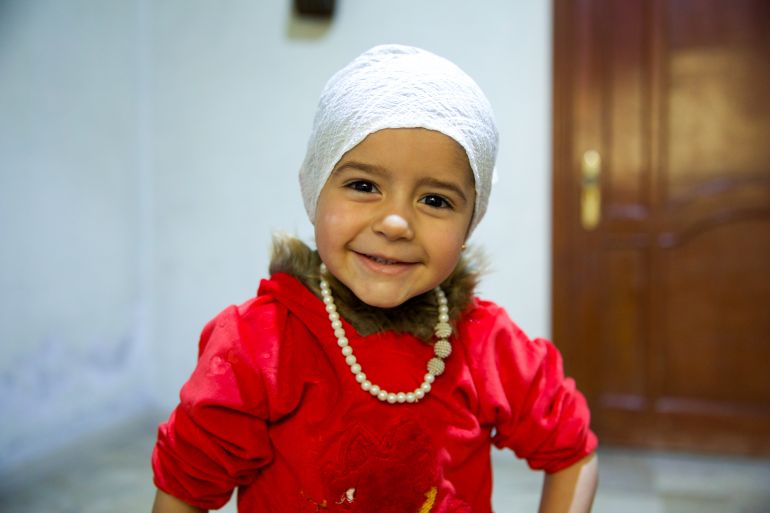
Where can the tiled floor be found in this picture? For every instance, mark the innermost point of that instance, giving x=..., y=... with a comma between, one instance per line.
x=110, y=474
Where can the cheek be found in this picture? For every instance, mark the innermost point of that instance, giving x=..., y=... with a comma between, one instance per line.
x=339, y=217
x=329, y=218
x=331, y=209
x=327, y=224
x=447, y=249
x=330, y=229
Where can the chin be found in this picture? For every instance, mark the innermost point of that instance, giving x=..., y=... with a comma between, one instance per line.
x=382, y=303
x=379, y=299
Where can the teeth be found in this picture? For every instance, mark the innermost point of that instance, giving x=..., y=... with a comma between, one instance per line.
x=382, y=260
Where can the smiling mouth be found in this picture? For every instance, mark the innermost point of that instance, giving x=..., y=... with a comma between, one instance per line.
x=383, y=260
x=379, y=260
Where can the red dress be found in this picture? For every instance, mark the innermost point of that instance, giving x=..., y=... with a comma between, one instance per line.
x=273, y=409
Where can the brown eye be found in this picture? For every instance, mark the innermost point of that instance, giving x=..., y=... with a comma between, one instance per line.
x=436, y=201
x=361, y=186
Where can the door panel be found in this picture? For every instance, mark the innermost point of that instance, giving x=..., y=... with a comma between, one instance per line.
x=663, y=309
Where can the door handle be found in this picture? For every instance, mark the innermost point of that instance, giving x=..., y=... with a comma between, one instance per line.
x=590, y=190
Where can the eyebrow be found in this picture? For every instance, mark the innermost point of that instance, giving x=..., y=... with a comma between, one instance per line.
x=362, y=166
x=381, y=171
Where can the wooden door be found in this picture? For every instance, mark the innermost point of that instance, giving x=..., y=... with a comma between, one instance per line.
x=662, y=307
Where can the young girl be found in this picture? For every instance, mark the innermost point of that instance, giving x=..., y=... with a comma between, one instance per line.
x=366, y=376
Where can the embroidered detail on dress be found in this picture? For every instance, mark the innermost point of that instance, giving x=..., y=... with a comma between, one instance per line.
x=387, y=470
x=348, y=496
x=430, y=500
x=318, y=505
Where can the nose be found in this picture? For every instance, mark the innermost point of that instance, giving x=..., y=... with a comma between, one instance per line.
x=393, y=227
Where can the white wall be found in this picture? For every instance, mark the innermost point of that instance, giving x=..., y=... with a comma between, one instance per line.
x=149, y=149
x=71, y=358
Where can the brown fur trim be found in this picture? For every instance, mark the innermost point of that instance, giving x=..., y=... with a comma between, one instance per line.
x=416, y=316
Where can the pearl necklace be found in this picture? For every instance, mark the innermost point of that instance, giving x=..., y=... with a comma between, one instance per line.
x=442, y=349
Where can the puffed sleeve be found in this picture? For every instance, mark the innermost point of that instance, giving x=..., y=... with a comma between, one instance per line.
x=537, y=411
x=216, y=439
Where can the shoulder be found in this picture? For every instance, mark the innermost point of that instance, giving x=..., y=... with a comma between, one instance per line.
x=257, y=323
x=492, y=339
x=485, y=318
x=246, y=322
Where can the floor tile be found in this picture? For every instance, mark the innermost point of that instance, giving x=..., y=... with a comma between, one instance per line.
x=625, y=471
x=685, y=504
x=626, y=502
x=708, y=476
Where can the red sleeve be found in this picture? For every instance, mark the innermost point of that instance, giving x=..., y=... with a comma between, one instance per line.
x=537, y=411
x=216, y=438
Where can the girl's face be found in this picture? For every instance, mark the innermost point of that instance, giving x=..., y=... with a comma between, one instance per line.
x=392, y=217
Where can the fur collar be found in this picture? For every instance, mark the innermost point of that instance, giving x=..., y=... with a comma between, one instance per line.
x=416, y=316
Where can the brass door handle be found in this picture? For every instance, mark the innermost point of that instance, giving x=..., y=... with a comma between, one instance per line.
x=590, y=190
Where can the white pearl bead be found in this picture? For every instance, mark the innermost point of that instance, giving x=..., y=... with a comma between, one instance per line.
x=443, y=317
x=360, y=376
x=336, y=324
x=443, y=309
x=350, y=359
x=401, y=397
x=419, y=394
x=342, y=341
x=391, y=398
x=382, y=395
x=355, y=368
x=366, y=385
x=425, y=387
x=327, y=299
x=330, y=308
x=375, y=390
x=334, y=316
x=339, y=332
x=429, y=378
x=347, y=350
x=410, y=397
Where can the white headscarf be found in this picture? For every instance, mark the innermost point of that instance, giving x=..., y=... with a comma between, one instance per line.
x=396, y=86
